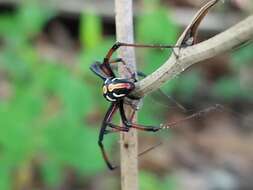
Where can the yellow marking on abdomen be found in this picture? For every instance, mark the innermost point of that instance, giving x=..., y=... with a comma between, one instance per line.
x=104, y=89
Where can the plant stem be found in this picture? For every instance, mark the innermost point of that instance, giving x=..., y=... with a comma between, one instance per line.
x=128, y=141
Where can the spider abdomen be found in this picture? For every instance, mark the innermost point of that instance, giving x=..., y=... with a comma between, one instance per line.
x=117, y=88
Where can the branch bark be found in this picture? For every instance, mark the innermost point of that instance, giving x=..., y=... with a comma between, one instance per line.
x=225, y=41
x=128, y=141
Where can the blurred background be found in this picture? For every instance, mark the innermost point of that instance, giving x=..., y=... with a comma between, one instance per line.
x=51, y=105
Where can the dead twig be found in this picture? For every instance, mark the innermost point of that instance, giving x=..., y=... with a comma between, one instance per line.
x=225, y=41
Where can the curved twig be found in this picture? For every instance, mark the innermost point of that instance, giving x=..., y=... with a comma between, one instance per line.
x=225, y=41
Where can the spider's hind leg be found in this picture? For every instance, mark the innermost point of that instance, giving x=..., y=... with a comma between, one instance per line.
x=198, y=114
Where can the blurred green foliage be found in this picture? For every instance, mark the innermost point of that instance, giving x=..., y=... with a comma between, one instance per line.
x=149, y=181
x=237, y=85
x=154, y=26
x=44, y=119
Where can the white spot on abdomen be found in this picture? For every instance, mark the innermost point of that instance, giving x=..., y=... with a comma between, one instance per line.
x=118, y=95
x=110, y=99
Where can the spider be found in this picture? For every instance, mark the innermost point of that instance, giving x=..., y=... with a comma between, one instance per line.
x=117, y=90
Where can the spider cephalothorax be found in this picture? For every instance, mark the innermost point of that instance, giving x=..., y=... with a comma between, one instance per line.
x=115, y=89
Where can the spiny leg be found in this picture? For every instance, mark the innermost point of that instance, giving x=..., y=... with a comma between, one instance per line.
x=107, y=119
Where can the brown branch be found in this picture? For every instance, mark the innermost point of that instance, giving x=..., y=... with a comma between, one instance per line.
x=128, y=141
x=225, y=41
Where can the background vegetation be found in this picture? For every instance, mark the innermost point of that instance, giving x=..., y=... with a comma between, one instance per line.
x=50, y=109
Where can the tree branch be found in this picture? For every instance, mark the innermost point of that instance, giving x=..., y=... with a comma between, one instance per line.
x=225, y=41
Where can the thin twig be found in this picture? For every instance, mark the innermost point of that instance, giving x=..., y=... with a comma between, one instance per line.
x=128, y=141
x=225, y=41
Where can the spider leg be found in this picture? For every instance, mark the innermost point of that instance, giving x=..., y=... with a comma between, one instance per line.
x=117, y=60
x=120, y=44
x=194, y=115
x=116, y=128
x=200, y=113
x=96, y=68
x=117, y=45
x=114, y=48
x=105, y=66
x=129, y=124
x=107, y=119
